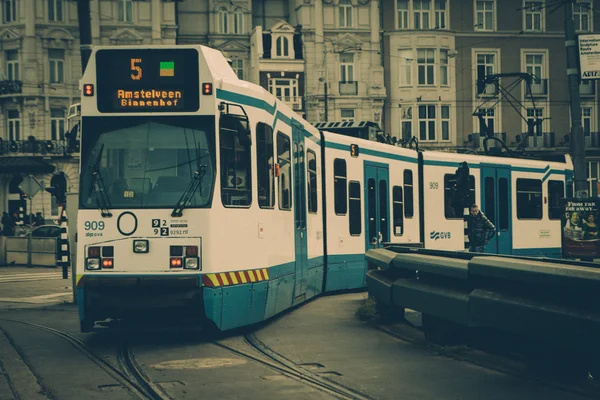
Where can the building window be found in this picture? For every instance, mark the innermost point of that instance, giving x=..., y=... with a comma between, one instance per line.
x=405, y=56
x=55, y=10
x=13, y=125
x=339, y=186
x=426, y=64
x=593, y=170
x=445, y=114
x=57, y=65
x=529, y=198
x=57, y=124
x=238, y=21
x=556, y=191
x=345, y=10
x=536, y=114
x=409, y=208
x=12, y=65
x=236, y=184
x=406, y=122
x=238, y=68
x=533, y=15
x=312, y=181
x=285, y=90
x=125, y=10
x=486, y=65
x=10, y=11
x=347, y=114
x=265, y=166
x=427, y=123
x=586, y=120
x=282, y=47
x=422, y=9
x=440, y=14
x=444, y=67
x=223, y=16
x=535, y=65
x=347, y=67
x=285, y=171
x=402, y=6
x=398, y=210
x=484, y=10
x=581, y=15
x=355, y=209
x=489, y=117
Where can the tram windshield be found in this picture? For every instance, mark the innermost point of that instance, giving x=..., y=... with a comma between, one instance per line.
x=146, y=162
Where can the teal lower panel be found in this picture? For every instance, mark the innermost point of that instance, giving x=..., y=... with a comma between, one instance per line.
x=554, y=252
x=237, y=303
x=314, y=285
x=285, y=293
x=80, y=303
x=259, y=301
x=346, y=275
x=213, y=304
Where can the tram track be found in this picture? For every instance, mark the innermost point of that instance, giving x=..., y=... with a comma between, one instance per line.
x=288, y=368
x=130, y=376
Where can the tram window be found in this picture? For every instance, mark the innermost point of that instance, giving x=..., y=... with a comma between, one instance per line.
x=285, y=170
x=236, y=183
x=556, y=191
x=529, y=198
x=471, y=192
x=398, y=210
x=409, y=209
x=355, y=210
x=312, y=181
x=503, y=202
x=489, y=205
x=340, y=187
x=264, y=166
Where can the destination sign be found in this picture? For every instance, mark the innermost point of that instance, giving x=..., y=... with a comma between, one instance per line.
x=147, y=80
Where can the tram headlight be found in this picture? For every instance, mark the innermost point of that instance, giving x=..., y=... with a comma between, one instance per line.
x=140, y=246
x=92, y=264
x=191, y=263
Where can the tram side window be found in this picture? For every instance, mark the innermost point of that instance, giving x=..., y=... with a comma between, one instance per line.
x=339, y=186
x=312, y=181
x=452, y=205
x=398, y=210
x=529, y=198
x=285, y=172
x=355, y=210
x=409, y=209
x=264, y=166
x=236, y=184
x=556, y=191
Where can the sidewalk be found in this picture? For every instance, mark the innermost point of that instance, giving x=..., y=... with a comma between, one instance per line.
x=33, y=287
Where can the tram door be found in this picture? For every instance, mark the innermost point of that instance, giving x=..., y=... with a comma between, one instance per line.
x=496, y=205
x=377, y=207
x=300, y=239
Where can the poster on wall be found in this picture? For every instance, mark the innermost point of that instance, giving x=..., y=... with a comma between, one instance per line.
x=589, y=56
x=580, y=229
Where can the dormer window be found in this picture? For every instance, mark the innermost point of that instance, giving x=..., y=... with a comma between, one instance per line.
x=223, y=20
x=282, y=47
x=230, y=21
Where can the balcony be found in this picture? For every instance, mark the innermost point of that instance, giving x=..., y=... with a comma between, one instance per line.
x=536, y=140
x=486, y=90
x=592, y=139
x=348, y=88
x=587, y=88
x=539, y=87
x=10, y=87
x=38, y=147
x=294, y=102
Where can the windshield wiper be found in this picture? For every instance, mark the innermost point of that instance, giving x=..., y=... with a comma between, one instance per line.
x=192, y=187
x=98, y=186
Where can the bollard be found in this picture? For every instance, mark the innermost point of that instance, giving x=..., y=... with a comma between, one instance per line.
x=466, y=213
x=64, y=252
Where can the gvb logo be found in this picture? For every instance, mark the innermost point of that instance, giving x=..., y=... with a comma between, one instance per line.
x=439, y=235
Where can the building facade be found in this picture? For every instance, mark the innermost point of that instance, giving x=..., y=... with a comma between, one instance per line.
x=39, y=80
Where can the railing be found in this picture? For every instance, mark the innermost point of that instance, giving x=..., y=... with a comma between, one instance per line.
x=543, y=140
x=295, y=102
x=348, y=88
x=539, y=87
x=10, y=87
x=489, y=89
x=462, y=296
x=15, y=147
x=592, y=139
x=587, y=88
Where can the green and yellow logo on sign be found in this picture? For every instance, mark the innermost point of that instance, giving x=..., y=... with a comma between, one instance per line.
x=167, y=68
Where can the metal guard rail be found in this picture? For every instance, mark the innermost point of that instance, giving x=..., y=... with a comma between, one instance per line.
x=555, y=301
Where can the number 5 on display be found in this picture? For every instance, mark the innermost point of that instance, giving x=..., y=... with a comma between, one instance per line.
x=136, y=69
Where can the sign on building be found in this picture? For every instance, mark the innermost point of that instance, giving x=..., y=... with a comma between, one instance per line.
x=580, y=228
x=589, y=56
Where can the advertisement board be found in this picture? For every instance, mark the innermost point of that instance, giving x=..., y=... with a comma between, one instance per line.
x=580, y=228
x=589, y=56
